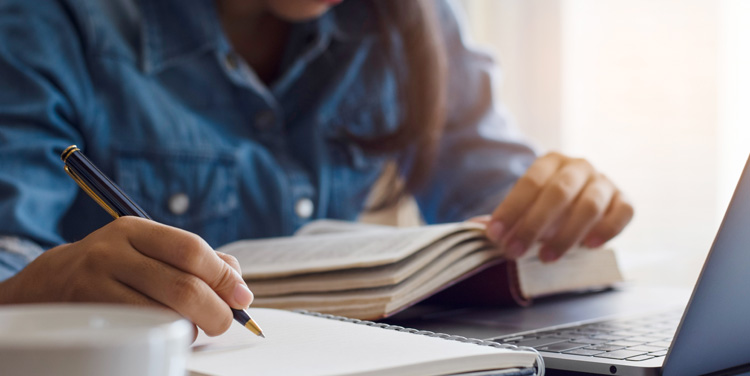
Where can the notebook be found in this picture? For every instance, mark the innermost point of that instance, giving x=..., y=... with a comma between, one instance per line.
x=711, y=335
x=306, y=343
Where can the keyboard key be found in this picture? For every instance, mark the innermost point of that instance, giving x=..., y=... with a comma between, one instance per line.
x=568, y=336
x=624, y=343
x=639, y=358
x=630, y=333
x=646, y=348
x=607, y=337
x=590, y=341
x=592, y=331
x=643, y=339
x=606, y=347
x=560, y=347
x=584, y=352
x=658, y=353
x=663, y=344
x=620, y=354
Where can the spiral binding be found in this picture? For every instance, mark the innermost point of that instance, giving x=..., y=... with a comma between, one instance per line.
x=539, y=360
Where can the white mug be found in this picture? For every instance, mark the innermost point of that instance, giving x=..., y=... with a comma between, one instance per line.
x=92, y=339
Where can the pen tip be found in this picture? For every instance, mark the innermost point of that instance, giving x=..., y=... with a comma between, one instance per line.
x=253, y=326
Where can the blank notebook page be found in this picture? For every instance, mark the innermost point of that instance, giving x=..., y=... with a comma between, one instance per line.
x=299, y=344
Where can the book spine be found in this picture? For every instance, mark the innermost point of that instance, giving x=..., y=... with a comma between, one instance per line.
x=450, y=337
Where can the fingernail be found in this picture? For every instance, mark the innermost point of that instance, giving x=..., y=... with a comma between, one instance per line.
x=516, y=249
x=495, y=231
x=547, y=254
x=242, y=295
x=594, y=242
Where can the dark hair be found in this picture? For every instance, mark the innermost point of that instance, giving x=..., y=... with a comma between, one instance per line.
x=421, y=91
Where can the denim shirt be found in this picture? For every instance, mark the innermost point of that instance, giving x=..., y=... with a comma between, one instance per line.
x=154, y=94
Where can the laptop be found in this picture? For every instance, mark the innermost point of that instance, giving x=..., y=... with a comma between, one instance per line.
x=711, y=335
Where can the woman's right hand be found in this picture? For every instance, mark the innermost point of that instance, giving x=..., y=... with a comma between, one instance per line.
x=141, y=262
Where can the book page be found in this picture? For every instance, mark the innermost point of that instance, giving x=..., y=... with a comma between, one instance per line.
x=334, y=226
x=375, y=303
x=580, y=268
x=277, y=257
x=298, y=344
x=360, y=278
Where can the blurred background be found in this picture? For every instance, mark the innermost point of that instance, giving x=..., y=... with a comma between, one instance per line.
x=654, y=93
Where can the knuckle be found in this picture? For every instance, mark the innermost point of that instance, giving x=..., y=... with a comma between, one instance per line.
x=527, y=234
x=561, y=191
x=530, y=183
x=582, y=163
x=96, y=254
x=124, y=223
x=224, y=280
x=90, y=263
x=186, y=290
x=231, y=260
x=191, y=248
x=561, y=244
x=590, y=207
x=608, y=229
x=554, y=155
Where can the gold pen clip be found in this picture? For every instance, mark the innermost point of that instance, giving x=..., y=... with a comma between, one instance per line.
x=70, y=150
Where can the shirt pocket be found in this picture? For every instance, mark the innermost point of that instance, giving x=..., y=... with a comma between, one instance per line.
x=195, y=190
x=353, y=172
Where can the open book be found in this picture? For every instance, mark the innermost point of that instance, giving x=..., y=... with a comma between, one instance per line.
x=311, y=344
x=370, y=272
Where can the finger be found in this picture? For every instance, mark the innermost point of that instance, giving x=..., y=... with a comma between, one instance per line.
x=587, y=210
x=189, y=253
x=183, y=292
x=121, y=293
x=105, y=290
x=481, y=219
x=234, y=264
x=522, y=195
x=230, y=260
x=559, y=193
x=617, y=216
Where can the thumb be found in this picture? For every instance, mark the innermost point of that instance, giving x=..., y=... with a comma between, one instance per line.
x=229, y=284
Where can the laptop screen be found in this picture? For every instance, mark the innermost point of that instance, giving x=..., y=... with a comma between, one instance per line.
x=715, y=329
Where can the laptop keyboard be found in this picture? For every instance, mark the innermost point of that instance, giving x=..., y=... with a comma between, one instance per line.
x=635, y=339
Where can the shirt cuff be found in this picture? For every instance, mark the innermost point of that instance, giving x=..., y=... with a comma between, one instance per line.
x=15, y=254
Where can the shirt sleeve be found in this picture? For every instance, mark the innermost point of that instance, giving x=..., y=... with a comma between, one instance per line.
x=15, y=254
x=44, y=81
x=481, y=153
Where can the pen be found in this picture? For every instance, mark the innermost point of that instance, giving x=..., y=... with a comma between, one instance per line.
x=110, y=197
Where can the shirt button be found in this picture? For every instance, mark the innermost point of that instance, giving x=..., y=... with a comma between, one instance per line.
x=179, y=203
x=304, y=208
x=265, y=120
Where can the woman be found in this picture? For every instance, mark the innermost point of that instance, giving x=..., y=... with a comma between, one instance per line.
x=235, y=119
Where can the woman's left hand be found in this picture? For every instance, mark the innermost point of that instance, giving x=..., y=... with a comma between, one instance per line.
x=562, y=202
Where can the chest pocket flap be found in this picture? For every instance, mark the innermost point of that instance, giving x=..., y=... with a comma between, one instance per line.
x=193, y=190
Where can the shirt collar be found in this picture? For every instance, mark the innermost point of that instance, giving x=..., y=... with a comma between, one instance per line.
x=173, y=29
